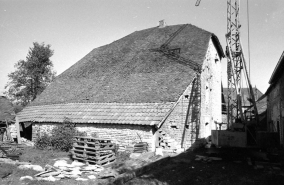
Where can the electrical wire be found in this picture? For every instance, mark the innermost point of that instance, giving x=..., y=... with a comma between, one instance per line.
x=248, y=44
x=248, y=36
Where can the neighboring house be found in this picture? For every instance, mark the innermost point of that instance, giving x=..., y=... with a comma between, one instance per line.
x=248, y=106
x=275, y=100
x=127, y=91
x=245, y=96
x=7, y=116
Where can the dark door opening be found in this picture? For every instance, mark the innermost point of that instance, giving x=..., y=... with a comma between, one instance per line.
x=26, y=130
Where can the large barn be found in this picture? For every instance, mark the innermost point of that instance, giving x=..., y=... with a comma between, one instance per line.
x=138, y=87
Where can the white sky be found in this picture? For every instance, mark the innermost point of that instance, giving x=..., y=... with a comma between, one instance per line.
x=74, y=27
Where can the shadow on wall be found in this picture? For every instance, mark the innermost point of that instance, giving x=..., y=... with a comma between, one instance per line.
x=192, y=122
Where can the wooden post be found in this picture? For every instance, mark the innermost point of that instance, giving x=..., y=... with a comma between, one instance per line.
x=18, y=130
x=8, y=132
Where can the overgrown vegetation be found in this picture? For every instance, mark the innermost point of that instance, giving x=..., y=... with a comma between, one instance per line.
x=61, y=137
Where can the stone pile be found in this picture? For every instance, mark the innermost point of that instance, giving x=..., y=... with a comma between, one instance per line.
x=61, y=170
x=165, y=141
x=27, y=142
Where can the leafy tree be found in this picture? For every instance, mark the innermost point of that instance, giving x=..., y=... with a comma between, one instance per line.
x=31, y=76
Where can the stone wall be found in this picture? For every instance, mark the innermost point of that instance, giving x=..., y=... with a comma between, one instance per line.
x=275, y=109
x=182, y=124
x=200, y=106
x=211, y=93
x=118, y=133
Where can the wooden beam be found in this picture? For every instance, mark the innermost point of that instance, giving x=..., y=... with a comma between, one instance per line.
x=18, y=130
x=8, y=131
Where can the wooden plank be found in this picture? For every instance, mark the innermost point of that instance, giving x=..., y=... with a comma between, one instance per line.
x=97, y=147
x=8, y=132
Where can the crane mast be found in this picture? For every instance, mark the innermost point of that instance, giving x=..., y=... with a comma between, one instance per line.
x=234, y=64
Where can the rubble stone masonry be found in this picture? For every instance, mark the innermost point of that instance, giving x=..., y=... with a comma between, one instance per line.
x=118, y=133
x=199, y=107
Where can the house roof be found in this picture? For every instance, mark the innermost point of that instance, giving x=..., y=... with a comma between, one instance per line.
x=278, y=71
x=107, y=113
x=245, y=95
x=126, y=71
x=261, y=101
x=6, y=109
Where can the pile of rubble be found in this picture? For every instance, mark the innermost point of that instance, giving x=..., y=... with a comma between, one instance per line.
x=27, y=142
x=61, y=169
x=165, y=141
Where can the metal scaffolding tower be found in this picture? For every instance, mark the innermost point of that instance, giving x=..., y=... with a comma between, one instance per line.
x=235, y=65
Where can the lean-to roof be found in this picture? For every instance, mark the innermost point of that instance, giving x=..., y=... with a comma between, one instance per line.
x=101, y=113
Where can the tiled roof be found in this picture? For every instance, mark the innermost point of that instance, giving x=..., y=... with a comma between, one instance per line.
x=107, y=113
x=245, y=95
x=278, y=71
x=127, y=71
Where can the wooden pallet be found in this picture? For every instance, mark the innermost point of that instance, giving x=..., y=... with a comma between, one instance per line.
x=93, y=150
x=96, y=146
x=84, y=153
x=91, y=139
x=103, y=161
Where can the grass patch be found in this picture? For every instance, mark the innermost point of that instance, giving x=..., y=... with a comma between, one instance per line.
x=42, y=157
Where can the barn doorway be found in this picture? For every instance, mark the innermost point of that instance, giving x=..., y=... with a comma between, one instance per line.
x=27, y=130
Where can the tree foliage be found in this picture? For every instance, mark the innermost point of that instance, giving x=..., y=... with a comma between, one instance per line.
x=31, y=76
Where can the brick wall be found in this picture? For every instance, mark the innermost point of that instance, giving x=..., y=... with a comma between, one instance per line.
x=194, y=117
x=120, y=134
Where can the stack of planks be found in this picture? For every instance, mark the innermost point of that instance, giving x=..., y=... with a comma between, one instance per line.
x=165, y=141
x=93, y=150
x=10, y=150
x=140, y=147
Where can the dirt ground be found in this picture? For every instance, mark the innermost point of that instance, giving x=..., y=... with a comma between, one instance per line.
x=170, y=169
x=232, y=169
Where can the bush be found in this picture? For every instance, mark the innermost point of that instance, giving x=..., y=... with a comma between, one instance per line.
x=43, y=142
x=61, y=137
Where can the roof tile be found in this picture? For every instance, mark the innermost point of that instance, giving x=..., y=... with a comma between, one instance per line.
x=109, y=113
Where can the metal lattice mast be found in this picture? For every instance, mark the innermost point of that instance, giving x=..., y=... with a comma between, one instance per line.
x=234, y=64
